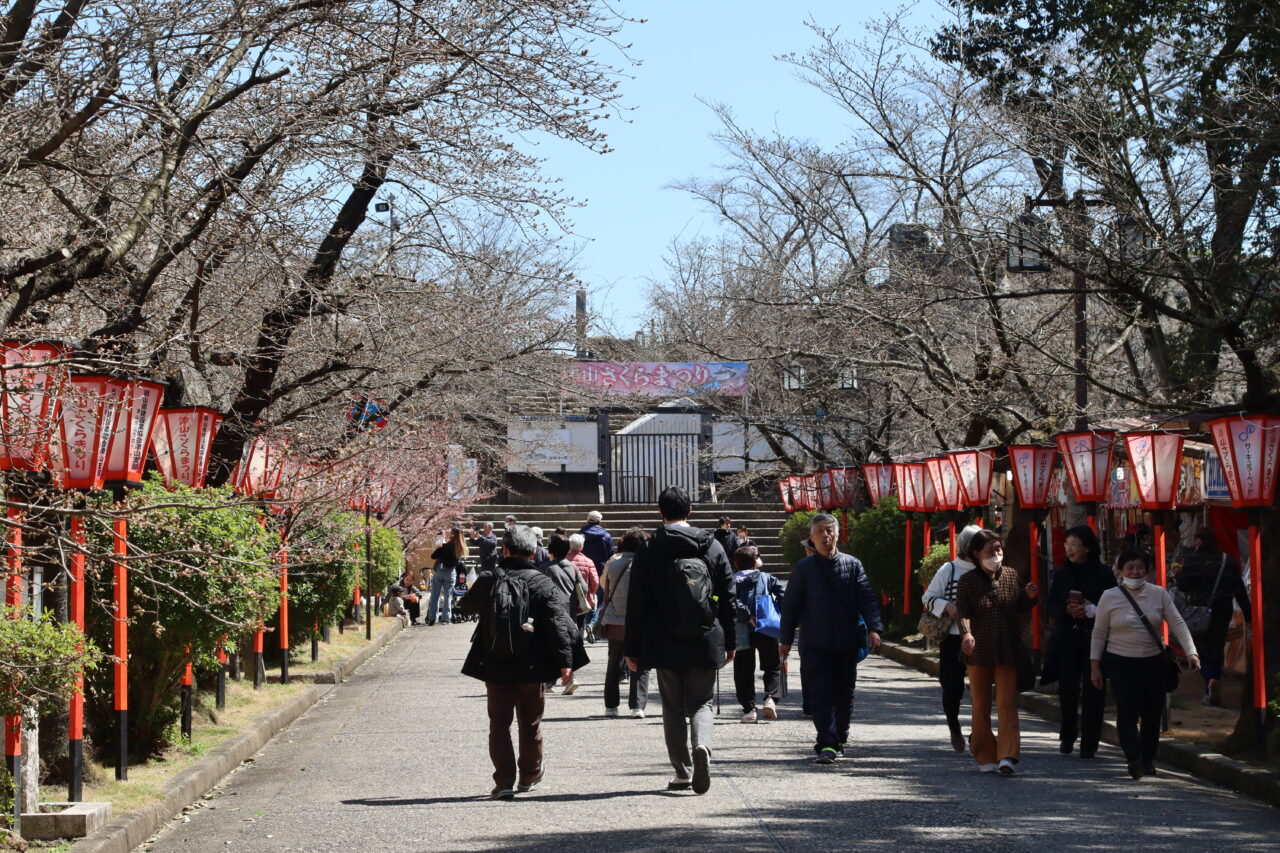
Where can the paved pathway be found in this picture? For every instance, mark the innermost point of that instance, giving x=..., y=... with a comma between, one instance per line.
x=396, y=760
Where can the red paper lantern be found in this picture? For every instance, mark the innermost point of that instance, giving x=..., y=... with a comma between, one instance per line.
x=381, y=489
x=810, y=485
x=923, y=495
x=90, y=406
x=946, y=487
x=32, y=376
x=973, y=474
x=1156, y=459
x=1248, y=449
x=131, y=440
x=1032, y=465
x=260, y=468
x=182, y=442
x=784, y=491
x=826, y=490
x=902, y=482
x=844, y=482
x=879, y=482
x=1086, y=456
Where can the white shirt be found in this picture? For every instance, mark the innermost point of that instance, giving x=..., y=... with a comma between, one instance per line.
x=942, y=589
x=1118, y=629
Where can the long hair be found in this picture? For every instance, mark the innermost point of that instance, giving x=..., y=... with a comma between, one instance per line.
x=459, y=544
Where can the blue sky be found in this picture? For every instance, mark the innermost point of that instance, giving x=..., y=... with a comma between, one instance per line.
x=717, y=50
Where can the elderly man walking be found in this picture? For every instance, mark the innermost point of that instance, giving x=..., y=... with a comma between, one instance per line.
x=523, y=640
x=679, y=612
x=825, y=595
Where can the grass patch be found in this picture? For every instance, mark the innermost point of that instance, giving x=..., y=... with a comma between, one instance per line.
x=339, y=648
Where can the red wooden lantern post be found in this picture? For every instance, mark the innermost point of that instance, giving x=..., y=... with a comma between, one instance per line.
x=257, y=475
x=907, y=501
x=31, y=381
x=1156, y=459
x=89, y=408
x=182, y=442
x=377, y=499
x=1032, y=465
x=1249, y=449
x=946, y=489
x=1086, y=456
x=126, y=457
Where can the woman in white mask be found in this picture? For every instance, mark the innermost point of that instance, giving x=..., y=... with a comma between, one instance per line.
x=1127, y=646
x=990, y=602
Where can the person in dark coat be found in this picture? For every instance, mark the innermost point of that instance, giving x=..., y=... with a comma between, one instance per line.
x=726, y=537
x=518, y=687
x=1210, y=578
x=825, y=595
x=597, y=544
x=686, y=667
x=1074, y=593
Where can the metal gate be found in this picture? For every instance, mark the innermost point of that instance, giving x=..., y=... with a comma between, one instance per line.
x=642, y=465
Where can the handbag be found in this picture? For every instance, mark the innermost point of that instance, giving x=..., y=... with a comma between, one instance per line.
x=937, y=628
x=580, y=601
x=1198, y=616
x=1173, y=671
x=768, y=619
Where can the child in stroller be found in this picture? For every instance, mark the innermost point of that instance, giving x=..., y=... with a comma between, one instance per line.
x=459, y=590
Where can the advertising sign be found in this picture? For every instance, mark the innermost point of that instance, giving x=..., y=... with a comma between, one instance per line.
x=662, y=378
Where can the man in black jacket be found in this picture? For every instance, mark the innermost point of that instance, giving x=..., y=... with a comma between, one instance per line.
x=686, y=666
x=825, y=594
x=517, y=687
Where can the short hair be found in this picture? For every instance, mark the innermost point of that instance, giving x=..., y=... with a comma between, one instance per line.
x=537, y=531
x=674, y=503
x=963, y=538
x=1087, y=538
x=557, y=546
x=632, y=538
x=823, y=518
x=519, y=540
x=510, y=520
x=576, y=541
x=745, y=557
x=724, y=519
x=1128, y=554
x=595, y=517
x=979, y=541
x=396, y=589
x=1208, y=539
x=488, y=525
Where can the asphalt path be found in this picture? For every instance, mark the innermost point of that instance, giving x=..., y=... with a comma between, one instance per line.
x=395, y=760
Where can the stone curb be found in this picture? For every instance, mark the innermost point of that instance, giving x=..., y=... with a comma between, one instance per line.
x=127, y=832
x=1210, y=766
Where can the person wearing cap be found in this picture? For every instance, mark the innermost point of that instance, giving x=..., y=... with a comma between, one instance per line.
x=597, y=544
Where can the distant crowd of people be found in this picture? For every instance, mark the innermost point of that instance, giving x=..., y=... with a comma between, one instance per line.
x=678, y=603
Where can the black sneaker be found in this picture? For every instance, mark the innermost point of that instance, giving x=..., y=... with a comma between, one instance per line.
x=701, y=770
x=1066, y=748
x=526, y=787
x=679, y=783
x=501, y=793
x=1135, y=769
x=1148, y=770
x=827, y=756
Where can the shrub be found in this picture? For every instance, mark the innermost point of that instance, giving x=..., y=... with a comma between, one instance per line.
x=324, y=568
x=201, y=566
x=39, y=658
x=937, y=557
x=877, y=537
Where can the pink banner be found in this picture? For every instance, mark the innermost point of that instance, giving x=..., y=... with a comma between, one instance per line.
x=662, y=378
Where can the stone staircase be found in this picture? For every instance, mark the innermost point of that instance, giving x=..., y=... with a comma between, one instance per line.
x=763, y=521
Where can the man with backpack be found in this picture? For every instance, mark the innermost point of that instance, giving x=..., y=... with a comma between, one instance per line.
x=825, y=594
x=523, y=640
x=679, y=612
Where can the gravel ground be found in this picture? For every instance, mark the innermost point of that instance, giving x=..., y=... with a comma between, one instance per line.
x=396, y=760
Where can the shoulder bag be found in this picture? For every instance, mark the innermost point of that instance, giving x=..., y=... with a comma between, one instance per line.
x=1198, y=616
x=937, y=628
x=1173, y=671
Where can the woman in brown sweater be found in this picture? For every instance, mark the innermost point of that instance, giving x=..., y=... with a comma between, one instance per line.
x=990, y=603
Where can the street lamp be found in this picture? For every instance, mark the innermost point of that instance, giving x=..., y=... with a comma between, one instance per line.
x=1249, y=449
x=946, y=489
x=844, y=482
x=126, y=457
x=31, y=379
x=1031, y=466
x=826, y=491
x=1086, y=456
x=926, y=500
x=89, y=408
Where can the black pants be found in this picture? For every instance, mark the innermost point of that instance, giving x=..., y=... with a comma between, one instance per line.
x=638, y=697
x=951, y=672
x=1138, y=687
x=1212, y=645
x=1075, y=689
x=831, y=676
x=744, y=670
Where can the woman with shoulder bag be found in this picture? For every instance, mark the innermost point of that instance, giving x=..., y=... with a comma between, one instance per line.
x=939, y=600
x=615, y=581
x=990, y=602
x=1127, y=647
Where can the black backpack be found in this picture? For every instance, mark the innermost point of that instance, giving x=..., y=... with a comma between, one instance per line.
x=508, y=632
x=692, y=598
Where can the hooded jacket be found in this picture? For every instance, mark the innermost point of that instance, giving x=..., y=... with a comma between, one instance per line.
x=552, y=647
x=647, y=637
x=598, y=544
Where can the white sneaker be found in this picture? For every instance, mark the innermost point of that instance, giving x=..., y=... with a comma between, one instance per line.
x=611, y=712
x=571, y=687
x=1006, y=767
x=750, y=716
x=988, y=768
x=637, y=713
x=770, y=710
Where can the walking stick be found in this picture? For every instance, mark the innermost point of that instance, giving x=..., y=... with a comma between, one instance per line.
x=784, y=680
x=717, y=692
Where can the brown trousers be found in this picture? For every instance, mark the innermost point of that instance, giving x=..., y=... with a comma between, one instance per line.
x=985, y=746
x=526, y=702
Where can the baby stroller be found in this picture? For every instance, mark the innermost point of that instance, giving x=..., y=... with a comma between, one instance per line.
x=459, y=590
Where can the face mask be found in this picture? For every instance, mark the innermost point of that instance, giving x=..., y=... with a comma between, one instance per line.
x=991, y=563
x=1134, y=583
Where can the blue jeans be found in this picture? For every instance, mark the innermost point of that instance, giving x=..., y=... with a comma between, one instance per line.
x=441, y=595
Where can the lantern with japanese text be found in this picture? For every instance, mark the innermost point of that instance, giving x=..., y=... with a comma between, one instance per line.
x=1086, y=457
x=182, y=443
x=879, y=481
x=260, y=468
x=33, y=374
x=907, y=502
x=844, y=481
x=784, y=492
x=1248, y=449
x=1032, y=466
x=973, y=476
x=826, y=490
x=1156, y=460
x=946, y=490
